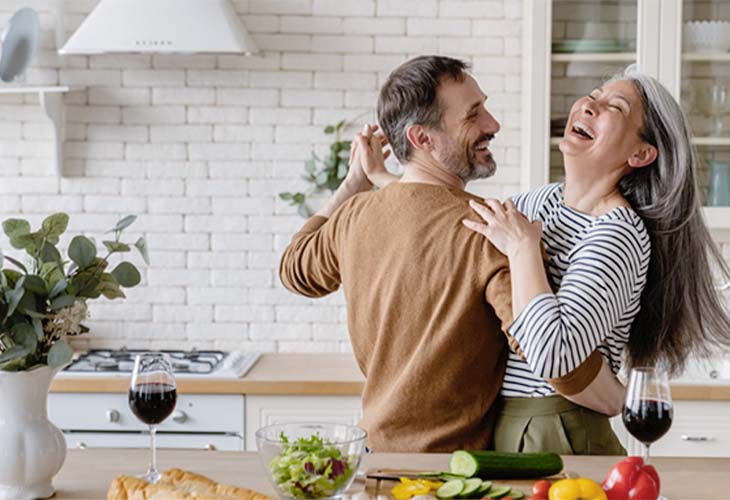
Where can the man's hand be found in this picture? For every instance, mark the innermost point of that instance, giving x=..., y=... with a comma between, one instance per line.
x=370, y=146
x=355, y=182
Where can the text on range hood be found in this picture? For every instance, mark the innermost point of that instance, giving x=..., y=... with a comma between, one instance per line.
x=161, y=26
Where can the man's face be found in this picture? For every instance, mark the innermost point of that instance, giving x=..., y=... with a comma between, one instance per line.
x=461, y=145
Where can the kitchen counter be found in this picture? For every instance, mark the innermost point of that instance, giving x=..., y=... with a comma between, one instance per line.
x=682, y=478
x=315, y=374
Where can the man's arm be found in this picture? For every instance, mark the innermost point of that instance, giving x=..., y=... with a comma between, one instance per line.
x=310, y=264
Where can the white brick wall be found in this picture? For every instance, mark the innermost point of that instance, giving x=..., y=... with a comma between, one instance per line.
x=198, y=146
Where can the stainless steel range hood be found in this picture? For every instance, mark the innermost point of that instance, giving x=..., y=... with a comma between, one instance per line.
x=161, y=26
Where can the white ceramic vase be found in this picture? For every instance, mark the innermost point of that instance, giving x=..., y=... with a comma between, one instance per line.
x=32, y=449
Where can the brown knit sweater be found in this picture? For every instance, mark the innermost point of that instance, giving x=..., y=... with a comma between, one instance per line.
x=425, y=296
x=426, y=300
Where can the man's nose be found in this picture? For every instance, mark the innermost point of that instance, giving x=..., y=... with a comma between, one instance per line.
x=491, y=125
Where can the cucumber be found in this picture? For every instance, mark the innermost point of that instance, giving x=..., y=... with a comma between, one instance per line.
x=470, y=487
x=498, y=464
x=496, y=492
x=516, y=494
x=484, y=488
x=450, y=489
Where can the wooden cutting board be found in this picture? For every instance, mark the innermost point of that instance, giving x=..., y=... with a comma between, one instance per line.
x=376, y=487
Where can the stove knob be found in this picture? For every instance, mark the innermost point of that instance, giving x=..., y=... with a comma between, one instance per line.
x=180, y=417
x=210, y=447
x=112, y=416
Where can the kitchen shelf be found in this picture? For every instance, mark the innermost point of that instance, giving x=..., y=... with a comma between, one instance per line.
x=594, y=57
x=51, y=100
x=706, y=56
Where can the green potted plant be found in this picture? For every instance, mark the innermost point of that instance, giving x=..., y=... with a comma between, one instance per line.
x=325, y=174
x=41, y=302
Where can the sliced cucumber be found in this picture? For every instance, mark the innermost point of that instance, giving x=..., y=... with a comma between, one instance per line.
x=498, y=492
x=450, y=489
x=484, y=487
x=445, y=476
x=470, y=487
x=516, y=494
x=463, y=463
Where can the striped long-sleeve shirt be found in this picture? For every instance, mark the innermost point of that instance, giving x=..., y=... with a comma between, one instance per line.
x=598, y=267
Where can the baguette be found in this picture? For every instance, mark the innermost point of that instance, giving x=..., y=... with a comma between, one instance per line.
x=177, y=484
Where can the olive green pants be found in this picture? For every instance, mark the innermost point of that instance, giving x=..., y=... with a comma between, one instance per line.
x=553, y=424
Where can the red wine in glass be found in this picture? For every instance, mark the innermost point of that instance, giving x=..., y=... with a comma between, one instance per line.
x=152, y=402
x=152, y=398
x=648, y=419
x=648, y=412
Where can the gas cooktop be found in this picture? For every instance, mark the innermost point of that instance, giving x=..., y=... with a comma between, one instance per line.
x=186, y=364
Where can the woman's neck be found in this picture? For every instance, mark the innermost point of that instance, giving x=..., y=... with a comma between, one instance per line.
x=428, y=171
x=593, y=194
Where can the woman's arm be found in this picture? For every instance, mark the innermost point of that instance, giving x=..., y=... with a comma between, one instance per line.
x=604, y=395
x=558, y=331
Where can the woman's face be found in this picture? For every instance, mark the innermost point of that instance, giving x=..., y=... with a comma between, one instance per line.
x=603, y=127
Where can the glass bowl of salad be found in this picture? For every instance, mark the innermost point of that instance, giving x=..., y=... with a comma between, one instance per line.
x=310, y=459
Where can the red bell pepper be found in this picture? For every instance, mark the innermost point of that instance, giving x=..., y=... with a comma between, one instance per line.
x=630, y=479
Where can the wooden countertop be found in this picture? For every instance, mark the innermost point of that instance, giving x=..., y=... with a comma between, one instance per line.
x=308, y=374
x=682, y=478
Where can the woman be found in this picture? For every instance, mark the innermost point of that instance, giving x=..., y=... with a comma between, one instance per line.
x=628, y=271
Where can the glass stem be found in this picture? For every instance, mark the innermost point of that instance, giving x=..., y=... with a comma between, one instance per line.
x=646, y=453
x=153, y=452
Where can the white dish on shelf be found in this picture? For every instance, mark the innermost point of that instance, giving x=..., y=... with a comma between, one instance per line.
x=707, y=36
x=19, y=44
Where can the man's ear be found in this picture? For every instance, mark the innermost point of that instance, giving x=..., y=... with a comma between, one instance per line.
x=419, y=138
x=643, y=156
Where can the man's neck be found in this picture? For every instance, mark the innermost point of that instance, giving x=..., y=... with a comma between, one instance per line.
x=428, y=171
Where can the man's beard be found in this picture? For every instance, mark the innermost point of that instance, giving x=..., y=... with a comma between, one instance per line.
x=462, y=161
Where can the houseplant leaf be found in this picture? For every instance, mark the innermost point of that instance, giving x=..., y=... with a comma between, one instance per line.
x=17, y=263
x=141, y=246
x=126, y=274
x=37, y=327
x=60, y=354
x=14, y=296
x=49, y=253
x=124, y=223
x=16, y=227
x=35, y=284
x=54, y=226
x=82, y=251
x=62, y=301
x=110, y=288
x=59, y=287
x=116, y=246
x=25, y=336
x=12, y=354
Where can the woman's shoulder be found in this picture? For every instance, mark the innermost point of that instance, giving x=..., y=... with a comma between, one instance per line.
x=530, y=202
x=622, y=225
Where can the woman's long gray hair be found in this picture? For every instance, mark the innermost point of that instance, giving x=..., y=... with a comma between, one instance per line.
x=681, y=309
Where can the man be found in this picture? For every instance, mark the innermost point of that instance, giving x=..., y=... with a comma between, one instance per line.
x=426, y=299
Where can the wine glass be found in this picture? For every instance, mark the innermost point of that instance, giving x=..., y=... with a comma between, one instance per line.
x=714, y=101
x=152, y=397
x=648, y=411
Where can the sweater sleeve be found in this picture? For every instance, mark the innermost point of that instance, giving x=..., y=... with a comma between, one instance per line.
x=310, y=265
x=559, y=331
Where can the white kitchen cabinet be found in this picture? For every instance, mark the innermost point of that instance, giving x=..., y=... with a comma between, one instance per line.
x=269, y=410
x=104, y=420
x=212, y=442
x=564, y=59
x=699, y=429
